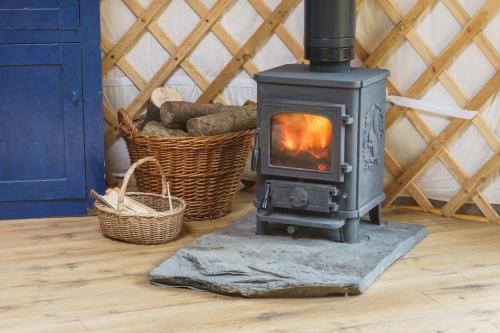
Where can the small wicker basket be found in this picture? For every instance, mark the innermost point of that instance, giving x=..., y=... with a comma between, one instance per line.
x=156, y=228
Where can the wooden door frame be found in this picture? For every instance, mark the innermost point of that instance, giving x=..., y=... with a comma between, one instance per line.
x=92, y=97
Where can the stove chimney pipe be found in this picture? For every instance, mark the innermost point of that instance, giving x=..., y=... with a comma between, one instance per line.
x=329, y=37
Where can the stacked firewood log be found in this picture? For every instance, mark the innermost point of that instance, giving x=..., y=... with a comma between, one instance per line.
x=168, y=116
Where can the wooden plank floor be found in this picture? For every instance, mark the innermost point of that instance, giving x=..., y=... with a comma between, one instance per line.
x=62, y=275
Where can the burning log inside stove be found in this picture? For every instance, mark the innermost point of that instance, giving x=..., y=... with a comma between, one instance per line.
x=301, y=141
x=304, y=160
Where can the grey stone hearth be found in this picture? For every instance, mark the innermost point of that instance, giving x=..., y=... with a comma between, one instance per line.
x=235, y=261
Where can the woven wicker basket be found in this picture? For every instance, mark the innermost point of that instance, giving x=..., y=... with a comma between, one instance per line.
x=204, y=171
x=156, y=228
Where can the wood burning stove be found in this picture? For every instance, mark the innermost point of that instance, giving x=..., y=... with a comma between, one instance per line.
x=320, y=132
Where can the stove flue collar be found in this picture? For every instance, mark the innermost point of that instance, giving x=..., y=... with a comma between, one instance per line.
x=329, y=36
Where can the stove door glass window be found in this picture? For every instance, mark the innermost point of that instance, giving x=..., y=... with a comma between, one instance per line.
x=302, y=141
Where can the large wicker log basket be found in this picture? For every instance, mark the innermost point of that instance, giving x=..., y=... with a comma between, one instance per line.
x=204, y=171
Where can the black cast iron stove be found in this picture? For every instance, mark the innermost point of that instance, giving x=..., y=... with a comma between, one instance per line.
x=319, y=152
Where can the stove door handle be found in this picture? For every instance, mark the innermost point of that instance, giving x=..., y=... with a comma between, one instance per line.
x=267, y=194
x=255, y=159
x=255, y=154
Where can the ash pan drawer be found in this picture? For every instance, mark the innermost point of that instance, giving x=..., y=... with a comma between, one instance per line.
x=303, y=196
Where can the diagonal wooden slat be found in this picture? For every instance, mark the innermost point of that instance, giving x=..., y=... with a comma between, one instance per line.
x=133, y=75
x=481, y=40
x=394, y=13
x=123, y=64
x=165, y=41
x=247, y=51
x=286, y=37
x=178, y=56
x=134, y=33
x=479, y=179
x=488, y=134
x=412, y=189
x=169, y=45
x=478, y=198
x=484, y=206
x=221, y=33
x=399, y=32
x=474, y=194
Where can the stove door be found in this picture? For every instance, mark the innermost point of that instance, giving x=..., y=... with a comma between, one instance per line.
x=303, y=139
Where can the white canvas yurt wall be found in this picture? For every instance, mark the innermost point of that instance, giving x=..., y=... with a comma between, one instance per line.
x=474, y=66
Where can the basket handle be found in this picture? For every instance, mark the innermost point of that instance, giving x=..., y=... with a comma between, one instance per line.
x=165, y=191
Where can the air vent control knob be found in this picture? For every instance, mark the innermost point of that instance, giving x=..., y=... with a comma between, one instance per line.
x=299, y=197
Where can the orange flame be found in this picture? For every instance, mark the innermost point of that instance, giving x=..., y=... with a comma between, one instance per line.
x=299, y=133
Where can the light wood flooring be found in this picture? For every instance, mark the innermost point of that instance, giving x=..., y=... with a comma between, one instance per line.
x=62, y=275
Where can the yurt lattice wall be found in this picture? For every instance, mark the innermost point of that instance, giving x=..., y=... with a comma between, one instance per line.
x=405, y=18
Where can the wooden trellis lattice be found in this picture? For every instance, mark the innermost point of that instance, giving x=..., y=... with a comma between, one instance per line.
x=404, y=24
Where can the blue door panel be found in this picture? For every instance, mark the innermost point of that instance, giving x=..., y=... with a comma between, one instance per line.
x=41, y=132
x=69, y=14
x=39, y=14
x=38, y=208
x=33, y=4
x=29, y=54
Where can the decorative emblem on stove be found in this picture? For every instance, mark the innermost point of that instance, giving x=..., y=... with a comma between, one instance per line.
x=372, y=137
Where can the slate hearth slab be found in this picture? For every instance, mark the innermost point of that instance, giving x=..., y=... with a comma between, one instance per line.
x=235, y=261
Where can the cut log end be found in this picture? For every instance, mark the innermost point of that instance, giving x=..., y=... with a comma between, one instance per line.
x=158, y=98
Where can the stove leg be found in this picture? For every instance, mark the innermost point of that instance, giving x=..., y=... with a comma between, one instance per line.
x=349, y=233
x=376, y=215
x=262, y=228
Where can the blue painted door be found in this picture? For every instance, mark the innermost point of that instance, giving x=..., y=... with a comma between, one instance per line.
x=50, y=107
